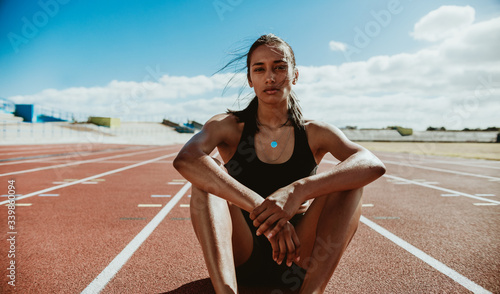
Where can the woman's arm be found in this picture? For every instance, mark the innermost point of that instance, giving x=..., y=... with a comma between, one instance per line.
x=358, y=167
x=194, y=163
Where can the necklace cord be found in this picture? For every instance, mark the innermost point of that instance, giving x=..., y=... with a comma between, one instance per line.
x=269, y=127
x=282, y=151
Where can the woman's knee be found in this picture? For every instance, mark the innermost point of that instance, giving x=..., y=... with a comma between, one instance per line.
x=350, y=198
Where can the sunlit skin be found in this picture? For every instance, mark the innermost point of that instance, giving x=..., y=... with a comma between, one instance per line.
x=217, y=199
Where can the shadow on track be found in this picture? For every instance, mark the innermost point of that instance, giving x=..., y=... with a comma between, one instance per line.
x=199, y=286
x=205, y=286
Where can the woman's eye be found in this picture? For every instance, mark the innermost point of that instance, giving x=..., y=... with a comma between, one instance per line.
x=281, y=67
x=258, y=69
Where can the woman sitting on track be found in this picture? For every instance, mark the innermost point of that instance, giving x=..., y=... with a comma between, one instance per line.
x=266, y=217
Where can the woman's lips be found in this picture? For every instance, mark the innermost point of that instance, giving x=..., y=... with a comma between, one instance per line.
x=271, y=91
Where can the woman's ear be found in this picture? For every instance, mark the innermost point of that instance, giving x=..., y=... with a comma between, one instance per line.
x=295, y=76
x=250, y=83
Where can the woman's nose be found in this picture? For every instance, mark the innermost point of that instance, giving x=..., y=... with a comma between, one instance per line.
x=270, y=77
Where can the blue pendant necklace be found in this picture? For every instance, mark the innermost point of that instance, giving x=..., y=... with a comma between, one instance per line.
x=274, y=143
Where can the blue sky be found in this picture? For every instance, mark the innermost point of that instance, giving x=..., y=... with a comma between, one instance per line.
x=52, y=46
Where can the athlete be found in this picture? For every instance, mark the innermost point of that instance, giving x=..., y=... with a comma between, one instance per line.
x=264, y=216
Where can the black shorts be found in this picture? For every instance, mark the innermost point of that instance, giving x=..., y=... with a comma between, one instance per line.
x=261, y=269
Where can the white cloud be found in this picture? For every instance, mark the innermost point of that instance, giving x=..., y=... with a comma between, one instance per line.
x=444, y=22
x=337, y=46
x=455, y=83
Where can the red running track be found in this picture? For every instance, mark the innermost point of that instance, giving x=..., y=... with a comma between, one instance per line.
x=115, y=219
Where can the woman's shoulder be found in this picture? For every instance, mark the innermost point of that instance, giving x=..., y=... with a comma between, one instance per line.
x=225, y=125
x=318, y=132
x=225, y=120
x=315, y=126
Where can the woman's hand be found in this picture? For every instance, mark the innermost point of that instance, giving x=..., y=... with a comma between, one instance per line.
x=304, y=206
x=278, y=208
x=286, y=243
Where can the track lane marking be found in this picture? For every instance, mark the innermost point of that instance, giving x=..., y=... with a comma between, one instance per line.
x=52, y=159
x=441, y=170
x=48, y=146
x=149, y=205
x=436, y=264
x=418, y=182
x=98, y=284
x=32, y=151
x=79, y=162
x=91, y=177
x=442, y=189
x=445, y=161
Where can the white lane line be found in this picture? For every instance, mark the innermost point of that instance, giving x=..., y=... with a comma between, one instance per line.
x=149, y=205
x=42, y=160
x=35, y=147
x=484, y=204
x=48, y=195
x=463, y=163
x=33, y=151
x=441, y=170
x=92, y=177
x=418, y=182
x=78, y=162
x=111, y=161
x=7, y=195
x=117, y=263
x=436, y=264
x=485, y=195
x=443, y=189
x=161, y=195
x=68, y=157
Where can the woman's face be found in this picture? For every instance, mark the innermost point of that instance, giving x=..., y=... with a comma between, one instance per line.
x=271, y=74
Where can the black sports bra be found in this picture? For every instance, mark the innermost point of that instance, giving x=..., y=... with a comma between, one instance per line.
x=265, y=178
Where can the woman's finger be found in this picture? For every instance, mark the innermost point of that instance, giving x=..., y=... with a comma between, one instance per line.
x=296, y=242
x=277, y=228
x=291, y=249
x=304, y=206
x=276, y=248
x=262, y=217
x=266, y=225
x=283, y=248
x=259, y=209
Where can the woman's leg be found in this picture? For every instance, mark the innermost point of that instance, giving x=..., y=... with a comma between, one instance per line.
x=325, y=231
x=224, y=237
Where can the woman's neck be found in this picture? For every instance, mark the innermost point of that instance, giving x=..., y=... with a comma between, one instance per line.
x=272, y=116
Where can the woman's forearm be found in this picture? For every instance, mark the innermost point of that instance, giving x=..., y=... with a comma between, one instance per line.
x=203, y=172
x=357, y=171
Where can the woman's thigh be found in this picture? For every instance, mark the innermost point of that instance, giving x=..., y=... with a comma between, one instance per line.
x=242, y=236
x=340, y=203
